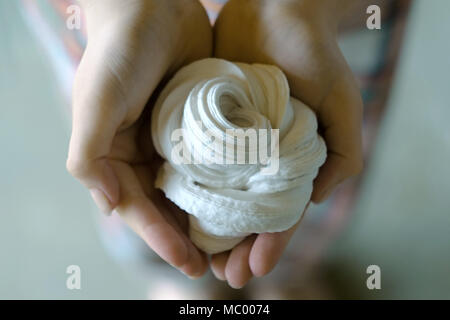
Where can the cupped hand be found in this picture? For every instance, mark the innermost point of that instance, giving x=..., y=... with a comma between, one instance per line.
x=299, y=36
x=132, y=47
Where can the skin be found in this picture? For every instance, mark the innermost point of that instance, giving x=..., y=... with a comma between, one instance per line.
x=135, y=46
x=300, y=38
x=132, y=48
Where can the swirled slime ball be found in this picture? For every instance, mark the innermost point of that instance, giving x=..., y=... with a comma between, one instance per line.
x=196, y=117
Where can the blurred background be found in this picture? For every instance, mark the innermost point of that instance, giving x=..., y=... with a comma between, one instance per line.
x=396, y=215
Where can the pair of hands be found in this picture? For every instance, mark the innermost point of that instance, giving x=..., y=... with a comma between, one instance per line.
x=136, y=45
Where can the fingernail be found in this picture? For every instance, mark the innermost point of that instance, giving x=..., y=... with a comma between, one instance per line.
x=325, y=195
x=194, y=277
x=319, y=197
x=218, y=277
x=101, y=201
x=235, y=287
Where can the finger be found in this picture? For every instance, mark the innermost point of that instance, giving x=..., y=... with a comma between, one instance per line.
x=218, y=264
x=237, y=270
x=198, y=260
x=269, y=247
x=148, y=222
x=341, y=119
x=335, y=170
x=175, y=217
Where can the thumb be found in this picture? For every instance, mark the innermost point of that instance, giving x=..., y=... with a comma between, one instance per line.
x=98, y=111
x=341, y=119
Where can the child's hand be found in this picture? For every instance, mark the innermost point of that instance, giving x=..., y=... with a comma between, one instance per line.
x=299, y=36
x=132, y=46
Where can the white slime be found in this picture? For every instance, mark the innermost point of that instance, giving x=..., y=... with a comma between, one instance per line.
x=227, y=202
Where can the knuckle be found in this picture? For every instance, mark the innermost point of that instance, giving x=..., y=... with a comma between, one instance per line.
x=76, y=167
